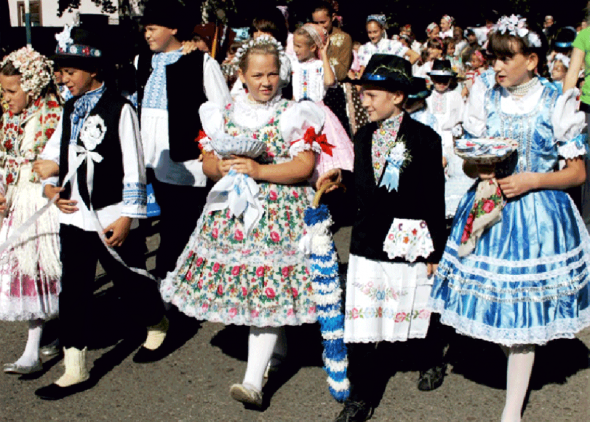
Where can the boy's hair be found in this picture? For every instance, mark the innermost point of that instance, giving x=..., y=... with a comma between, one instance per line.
x=272, y=22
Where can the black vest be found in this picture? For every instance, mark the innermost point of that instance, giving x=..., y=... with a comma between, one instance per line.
x=185, y=91
x=107, y=188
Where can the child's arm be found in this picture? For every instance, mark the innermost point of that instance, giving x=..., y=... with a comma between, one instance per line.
x=329, y=77
x=576, y=63
x=412, y=56
x=295, y=171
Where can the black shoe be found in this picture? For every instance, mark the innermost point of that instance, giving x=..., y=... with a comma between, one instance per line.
x=355, y=411
x=55, y=392
x=145, y=355
x=432, y=379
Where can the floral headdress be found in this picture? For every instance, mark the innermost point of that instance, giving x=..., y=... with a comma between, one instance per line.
x=560, y=57
x=35, y=69
x=317, y=33
x=449, y=19
x=380, y=19
x=517, y=26
x=259, y=41
x=431, y=27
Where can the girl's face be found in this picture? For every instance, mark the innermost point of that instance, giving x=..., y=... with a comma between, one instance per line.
x=434, y=53
x=434, y=33
x=303, y=50
x=374, y=31
x=559, y=71
x=444, y=25
x=476, y=62
x=515, y=70
x=451, y=49
x=15, y=97
x=261, y=77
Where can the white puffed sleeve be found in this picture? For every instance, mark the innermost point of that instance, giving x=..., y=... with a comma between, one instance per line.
x=296, y=127
x=211, y=114
x=474, y=117
x=569, y=125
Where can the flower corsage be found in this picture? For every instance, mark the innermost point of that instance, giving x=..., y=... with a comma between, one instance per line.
x=397, y=159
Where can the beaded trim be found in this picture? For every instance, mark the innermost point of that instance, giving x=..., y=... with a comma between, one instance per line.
x=523, y=89
x=79, y=50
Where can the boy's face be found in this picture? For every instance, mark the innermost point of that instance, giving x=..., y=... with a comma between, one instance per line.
x=441, y=83
x=160, y=39
x=78, y=81
x=380, y=104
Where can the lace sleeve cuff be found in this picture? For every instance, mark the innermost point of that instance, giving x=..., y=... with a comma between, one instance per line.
x=575, y=148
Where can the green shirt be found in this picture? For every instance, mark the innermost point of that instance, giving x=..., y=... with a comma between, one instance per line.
x=582, y=42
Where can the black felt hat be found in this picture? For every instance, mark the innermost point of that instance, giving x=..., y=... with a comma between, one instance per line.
x=419, y=89
x=388, y=72
x=79, y=48
x=442, y=68
x=168, y=13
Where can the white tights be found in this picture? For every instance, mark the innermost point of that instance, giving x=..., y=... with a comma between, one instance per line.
x=520, y=366
x=31, y=354
x=261, y=345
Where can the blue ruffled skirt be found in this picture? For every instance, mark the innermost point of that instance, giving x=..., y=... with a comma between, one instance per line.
x=527, y=280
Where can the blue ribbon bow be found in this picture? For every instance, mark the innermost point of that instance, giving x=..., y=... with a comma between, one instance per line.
x=391, y=177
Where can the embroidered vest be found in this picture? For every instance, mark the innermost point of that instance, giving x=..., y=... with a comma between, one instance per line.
x=108, y=174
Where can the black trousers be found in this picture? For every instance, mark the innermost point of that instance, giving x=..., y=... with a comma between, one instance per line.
x=80, y=252
x=180, y=208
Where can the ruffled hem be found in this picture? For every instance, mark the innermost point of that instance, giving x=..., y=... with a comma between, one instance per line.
x=377, y=339
x=30, y=308
x=511, y=336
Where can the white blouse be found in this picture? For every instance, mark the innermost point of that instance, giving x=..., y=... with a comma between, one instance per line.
x=308, y=80
x=384, y=46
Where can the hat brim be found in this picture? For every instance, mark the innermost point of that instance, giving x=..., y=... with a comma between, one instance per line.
x=448, y=73
x=389, y=84
x=420, y=95
x=78, y=62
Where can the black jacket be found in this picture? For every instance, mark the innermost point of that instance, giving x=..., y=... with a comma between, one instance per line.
x=420, y=196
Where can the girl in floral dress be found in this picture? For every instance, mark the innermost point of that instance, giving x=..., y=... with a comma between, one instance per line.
x=526, y=281
x=258, y=278
x=30, y=269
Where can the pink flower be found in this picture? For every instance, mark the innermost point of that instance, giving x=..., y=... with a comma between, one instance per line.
x=189, y=275
x=200, y=284
x=270, y=293
x=275, y=236
x=254, y=313
x=354, y=313
x=214, y=233
x=260, y=271
x=469, y=219
x=244, y=291
x=465, y=236
x=295, y=292
x=235, y=270
x=488, y=206
x=238, y=235
x=295, y=194
x=424, y=314
x=400, y=317
x=233, y=312
x=220, y=290
x=216, y=267
x=311, y=310
x=272, y=195
x=499, y=192
x=290, y=312
x=199, y=262
x=205, y=306
x=285, y=271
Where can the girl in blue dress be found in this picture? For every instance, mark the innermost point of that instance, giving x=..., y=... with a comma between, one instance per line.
x=526, y=281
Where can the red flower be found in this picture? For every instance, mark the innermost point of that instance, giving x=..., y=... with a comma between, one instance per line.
x=49, y=132
x=295, y=194
x=235, y=270
x=354, y=313
x=488, y=206
x=8, y=144
x=260, y=271
x=199, y=262
x=220, y=290
x=238, y=235
x=285, y=271
x=400, y=317
x=275, y=236
x=270, y=293
x=295, y=292
x=469, y=220
x=465, y=236
x=216, y=267
x=214, y=233
x=272, y=195
x=414, y=232
x=9, y=178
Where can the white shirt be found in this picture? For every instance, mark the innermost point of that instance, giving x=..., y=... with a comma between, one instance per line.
x=384, y=46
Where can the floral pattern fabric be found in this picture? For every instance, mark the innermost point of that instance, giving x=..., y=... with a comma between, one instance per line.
x=408, y=239
x=384, y=139
x=261, y=279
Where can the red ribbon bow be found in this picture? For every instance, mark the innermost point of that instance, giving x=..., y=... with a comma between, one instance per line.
x=202, y=135
x=310, y=137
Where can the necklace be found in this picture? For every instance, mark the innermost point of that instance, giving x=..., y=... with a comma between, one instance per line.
x=522, y=89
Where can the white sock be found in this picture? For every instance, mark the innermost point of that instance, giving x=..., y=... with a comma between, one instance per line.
x=31, y=354
x=261, y=343
x=520, y=367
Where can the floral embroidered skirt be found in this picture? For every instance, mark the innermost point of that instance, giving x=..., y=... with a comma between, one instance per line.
x=526, y=282
x=30, y=270
x=385, y=301
x=261, y=278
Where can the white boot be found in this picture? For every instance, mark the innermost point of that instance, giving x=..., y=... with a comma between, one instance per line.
x=76, y=371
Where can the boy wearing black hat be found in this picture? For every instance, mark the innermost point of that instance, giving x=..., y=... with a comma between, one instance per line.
x=96, y=150
x=398, y=234
x=171, y=88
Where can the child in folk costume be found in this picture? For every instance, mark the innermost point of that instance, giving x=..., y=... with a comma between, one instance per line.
x=446, y=27
x=380, y=44
x=389, y=281
x=30, y=269
x=559, y=67
x=96, y=151
x=311, y=79
x=236, y=272
x=524, y=282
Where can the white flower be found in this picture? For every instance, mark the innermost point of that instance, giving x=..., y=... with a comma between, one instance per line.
x=64, y=39
x=93, y=132
x=534, y=40
x=398, y=152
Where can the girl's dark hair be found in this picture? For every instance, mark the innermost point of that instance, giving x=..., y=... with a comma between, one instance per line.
x=446, y=42
x=506, y=45
x=323, y=5
x=9, y=70
x=272, y=22
x=435, y=43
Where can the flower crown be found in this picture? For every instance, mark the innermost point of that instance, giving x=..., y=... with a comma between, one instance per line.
x=431, y=27
x=35, y=69
x=259, y=41
x=516, y=26
x=449, y=19
x=380, y=19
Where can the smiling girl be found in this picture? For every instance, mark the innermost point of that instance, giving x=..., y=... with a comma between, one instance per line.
x=258, y=278
x=526, y=281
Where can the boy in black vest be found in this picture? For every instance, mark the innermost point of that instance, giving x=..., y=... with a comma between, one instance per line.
x=171, y=88
x=98, y=150
x=397, y=239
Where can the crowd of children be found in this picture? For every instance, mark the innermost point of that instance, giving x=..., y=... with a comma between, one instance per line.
x=235, y=169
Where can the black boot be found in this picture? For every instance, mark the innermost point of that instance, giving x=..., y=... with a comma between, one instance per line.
x=355, y=411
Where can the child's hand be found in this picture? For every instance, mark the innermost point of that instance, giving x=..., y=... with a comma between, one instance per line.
x=120, y=230
x=324, y=49
x=245, y=165
x=46, y=168
x=518, y=184
x=188, y=47
x=223, y=166
x=67, y=206
x=2, y=203
x=332, y=175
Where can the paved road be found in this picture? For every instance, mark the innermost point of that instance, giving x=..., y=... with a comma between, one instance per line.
x=192, y=383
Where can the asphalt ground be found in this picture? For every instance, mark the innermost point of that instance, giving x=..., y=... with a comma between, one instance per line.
x=192, y=382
